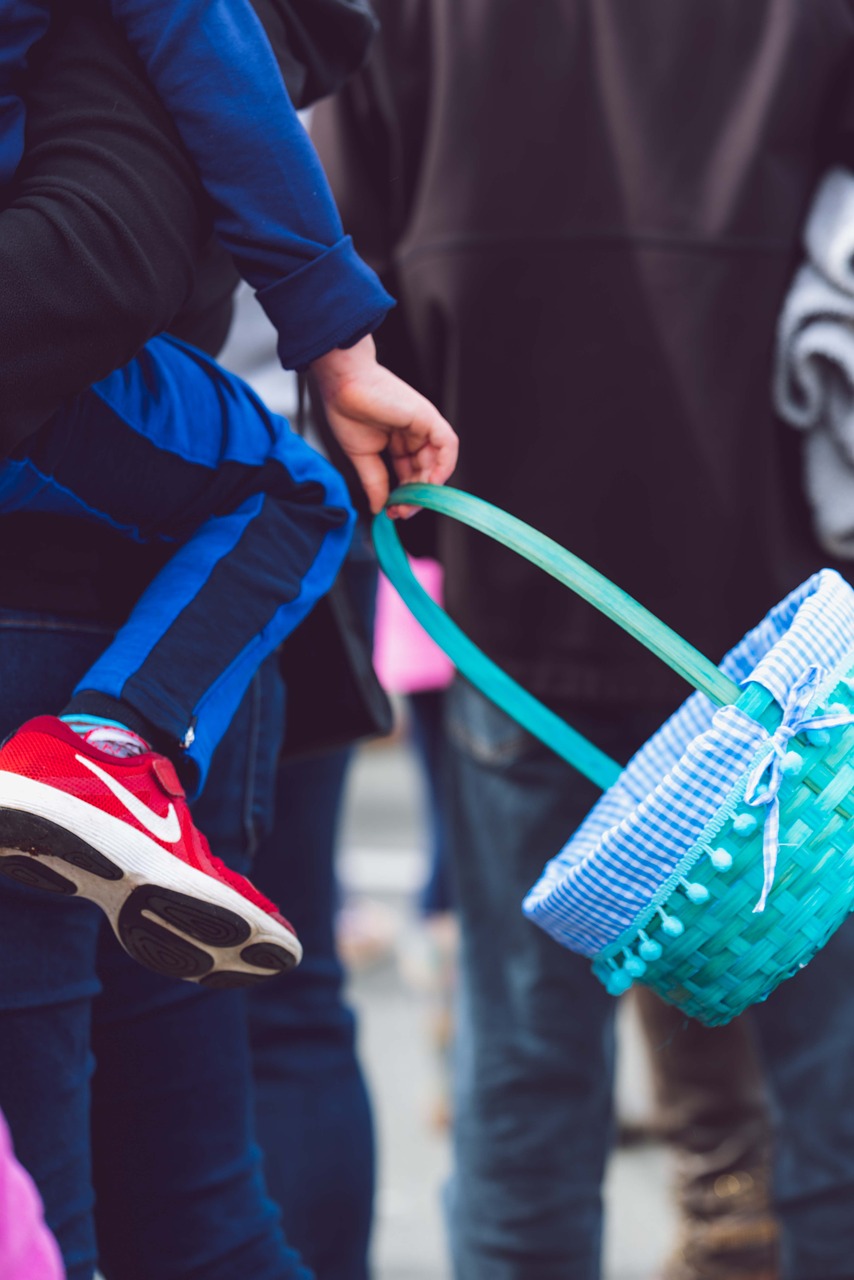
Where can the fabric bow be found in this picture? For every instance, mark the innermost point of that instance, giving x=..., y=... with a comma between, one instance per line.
x=796, y=719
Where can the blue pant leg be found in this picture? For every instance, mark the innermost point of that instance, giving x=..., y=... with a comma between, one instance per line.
x=806, y=1033
x=180, y=1178
x=48, y=978
x=175, y=450
x=535, y=1038
x=313, y=1113
x=428, y=736
x=171, y=1118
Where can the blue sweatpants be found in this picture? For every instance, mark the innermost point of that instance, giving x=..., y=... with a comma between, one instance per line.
x=174, y=450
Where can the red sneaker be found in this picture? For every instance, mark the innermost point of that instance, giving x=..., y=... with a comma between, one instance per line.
x=118, y=831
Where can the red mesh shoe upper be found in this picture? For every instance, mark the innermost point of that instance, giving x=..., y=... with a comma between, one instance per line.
x=142, y=790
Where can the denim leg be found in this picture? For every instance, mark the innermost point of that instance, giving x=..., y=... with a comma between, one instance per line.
x=163, y=1139
x=313, y=1112
x=428, y=737
x=203, y=1211
x=806, y=1033
x=179, y=1176
x=47, y=971
x=535, y=1037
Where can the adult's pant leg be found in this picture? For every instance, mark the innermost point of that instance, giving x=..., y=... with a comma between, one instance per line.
x=179, y=1174
x=47, y=971
x=176, y=1175
x=427, y=716
x=175, y=450
x=313, y=1113
x=535, y=1031
x=312, y=1109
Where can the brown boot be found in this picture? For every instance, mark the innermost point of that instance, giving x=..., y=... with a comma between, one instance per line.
x=728, y=1232
x=712, y=1110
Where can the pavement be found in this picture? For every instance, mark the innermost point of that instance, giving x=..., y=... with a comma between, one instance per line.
x=382, y=864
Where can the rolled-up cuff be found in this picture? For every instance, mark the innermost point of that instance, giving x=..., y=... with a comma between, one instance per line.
x=331, y=302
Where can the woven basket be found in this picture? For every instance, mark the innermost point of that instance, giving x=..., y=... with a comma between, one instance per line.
x=726, y=956
x=661, y=883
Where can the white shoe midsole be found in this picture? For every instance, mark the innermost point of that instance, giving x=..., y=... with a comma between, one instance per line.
x=141, y=859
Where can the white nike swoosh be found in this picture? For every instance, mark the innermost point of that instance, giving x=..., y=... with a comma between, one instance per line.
x=166, y=828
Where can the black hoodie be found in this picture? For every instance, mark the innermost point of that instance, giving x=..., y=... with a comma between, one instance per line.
x=590, y=211
x=106, y=242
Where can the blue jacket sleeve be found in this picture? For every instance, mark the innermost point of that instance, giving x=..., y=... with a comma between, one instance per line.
x=215, y=72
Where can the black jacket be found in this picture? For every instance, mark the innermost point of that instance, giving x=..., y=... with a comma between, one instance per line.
x=590, y=210
x=100, y=240
x=105, y=242
x=99, y=248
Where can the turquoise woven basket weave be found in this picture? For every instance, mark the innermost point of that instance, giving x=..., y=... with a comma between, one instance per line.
x=765, y=874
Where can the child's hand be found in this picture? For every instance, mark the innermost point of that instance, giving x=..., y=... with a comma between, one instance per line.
x=370, y=409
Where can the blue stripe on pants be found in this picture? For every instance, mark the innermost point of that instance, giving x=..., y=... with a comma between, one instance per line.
x=175, y=450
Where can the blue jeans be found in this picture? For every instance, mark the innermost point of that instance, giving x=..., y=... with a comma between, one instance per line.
x=426, y=711
x=312, y=1109
x=535, y=1052
x=119, y=1084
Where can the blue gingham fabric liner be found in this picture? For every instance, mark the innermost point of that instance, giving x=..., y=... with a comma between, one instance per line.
x=634, y=838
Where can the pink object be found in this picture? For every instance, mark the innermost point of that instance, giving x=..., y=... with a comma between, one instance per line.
x=28, y=1251
x=406, y=659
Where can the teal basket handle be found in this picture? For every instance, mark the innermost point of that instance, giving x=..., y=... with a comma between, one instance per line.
x=561, y=564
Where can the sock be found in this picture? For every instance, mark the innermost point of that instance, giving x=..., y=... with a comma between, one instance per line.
x=100, y=708
x=110, y=736
x=96, y=708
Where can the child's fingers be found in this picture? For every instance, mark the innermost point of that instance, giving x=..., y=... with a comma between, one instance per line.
x=401, y=512
x=429, y=460
x=444, y=460
x=373, y=476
